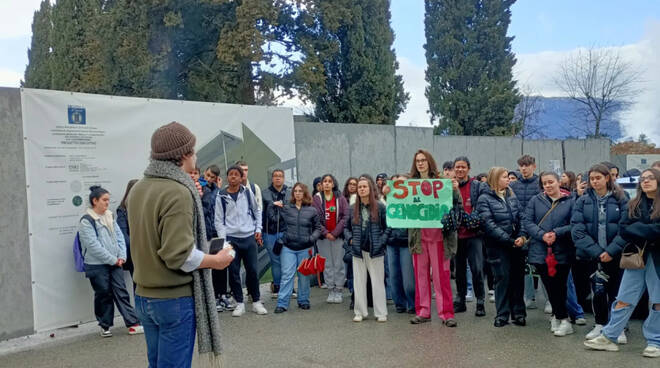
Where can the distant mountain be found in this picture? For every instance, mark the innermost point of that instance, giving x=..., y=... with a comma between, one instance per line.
x=561, y=118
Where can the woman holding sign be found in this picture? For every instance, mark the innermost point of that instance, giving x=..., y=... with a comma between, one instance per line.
x=432, y=249
x=501, y=213
x=366, y=233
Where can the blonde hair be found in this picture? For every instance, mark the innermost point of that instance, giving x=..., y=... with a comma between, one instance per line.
x=494, y=175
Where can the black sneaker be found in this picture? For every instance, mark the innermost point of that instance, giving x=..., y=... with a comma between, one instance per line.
x=481, y=310
x=459, y=307
x=519, y=321
x=279, y=310
x=500, y=323
x=303, y=306
x=400, y=309
x=218, y=305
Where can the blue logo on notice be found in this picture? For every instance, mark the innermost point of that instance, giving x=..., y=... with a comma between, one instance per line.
x=77, y=115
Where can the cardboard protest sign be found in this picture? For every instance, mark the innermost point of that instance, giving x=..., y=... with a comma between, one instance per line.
x=418, y=203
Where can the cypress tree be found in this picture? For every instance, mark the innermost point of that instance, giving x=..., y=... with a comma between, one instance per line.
x=471, y=89
x=349, y=70
x=78, y=60
x=38, y=71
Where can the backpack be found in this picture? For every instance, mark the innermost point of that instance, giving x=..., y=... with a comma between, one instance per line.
x=223, y=201
x=78, y=256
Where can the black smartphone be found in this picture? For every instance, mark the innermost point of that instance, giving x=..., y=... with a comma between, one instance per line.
x=216, y=245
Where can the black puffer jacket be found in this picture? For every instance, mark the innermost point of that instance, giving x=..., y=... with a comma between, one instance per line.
x=558, y=221
x=643, y=230
x=525, y=189
x=303, y=226
x=269, y=196
x=584, y=223
x=378, y=233
x=502, y=218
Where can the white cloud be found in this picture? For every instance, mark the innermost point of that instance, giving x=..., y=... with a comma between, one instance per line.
x=16, y=17
x=10, y=78
x=414, y=83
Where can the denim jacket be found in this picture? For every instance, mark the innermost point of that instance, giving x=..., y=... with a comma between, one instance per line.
x=104, y=249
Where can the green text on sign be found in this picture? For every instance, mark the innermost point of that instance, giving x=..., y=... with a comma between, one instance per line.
x=418, y=203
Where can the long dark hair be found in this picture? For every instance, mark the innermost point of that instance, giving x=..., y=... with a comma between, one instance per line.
x=345, y=192
x=603, y=170
x=129, y=186
x=633, y=206
x=373, y=200
x=433, y=167
x=307, y=199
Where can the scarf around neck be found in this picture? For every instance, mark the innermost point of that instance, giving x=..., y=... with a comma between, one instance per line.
x=206, y=317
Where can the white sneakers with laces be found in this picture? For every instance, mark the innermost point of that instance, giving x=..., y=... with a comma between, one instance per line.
x=595, y=332
x=258, y=308
x=564, y=328
x=602, y=343
x=239, y=310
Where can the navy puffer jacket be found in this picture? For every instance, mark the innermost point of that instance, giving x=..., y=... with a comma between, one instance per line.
x=584, y=223
x=643, y=230
x=378, y=233
x=558, y=221
x=501, y=217
x=526, y=189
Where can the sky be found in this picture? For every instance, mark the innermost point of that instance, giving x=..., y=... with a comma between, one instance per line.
x=545, y=32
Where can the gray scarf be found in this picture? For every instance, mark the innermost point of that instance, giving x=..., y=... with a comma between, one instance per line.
x=208, y=323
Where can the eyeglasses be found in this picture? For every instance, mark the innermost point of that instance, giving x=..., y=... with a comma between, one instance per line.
x=645, y=178
x=421, y=161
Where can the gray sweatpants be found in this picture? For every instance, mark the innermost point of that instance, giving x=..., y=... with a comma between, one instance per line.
x=335, y=272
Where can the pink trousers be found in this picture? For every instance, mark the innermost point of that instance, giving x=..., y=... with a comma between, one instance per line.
x=432, y=263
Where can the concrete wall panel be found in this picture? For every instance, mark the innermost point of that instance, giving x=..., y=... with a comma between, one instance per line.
x=407, y=141
x=321, y=149
x=16, y=318
x=582, y=153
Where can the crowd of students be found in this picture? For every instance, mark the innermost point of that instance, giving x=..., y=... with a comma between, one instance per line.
x=508, y=226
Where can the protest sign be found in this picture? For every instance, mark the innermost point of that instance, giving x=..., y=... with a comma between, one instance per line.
x=418, y=203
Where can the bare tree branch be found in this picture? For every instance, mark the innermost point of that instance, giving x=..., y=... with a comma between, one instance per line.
x=601, y=82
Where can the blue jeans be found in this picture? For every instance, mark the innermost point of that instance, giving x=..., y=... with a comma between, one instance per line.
x=401, y=277
x=632, y=287
x=169, y=328
x=574, y=308
x=275, y=265
x=291, y=259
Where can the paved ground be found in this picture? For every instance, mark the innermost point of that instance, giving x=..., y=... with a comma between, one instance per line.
x=325, y=336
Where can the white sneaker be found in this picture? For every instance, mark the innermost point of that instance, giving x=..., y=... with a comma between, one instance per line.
x=601, y=343
x=324, y=286
x=339, y=298
x=491, y=292
x=565, y=328
x=294, y=295
x=106, y=333
x=382, y=319
x=580, y=321
x=469, y=297
x=239, y=311
x=622, y=339
x=491, y=298
x=331, y=297
x=258, y=308
x=554, y=324
x=651, y=352
x=357, y=318
x=595, y=332
x=548, y=308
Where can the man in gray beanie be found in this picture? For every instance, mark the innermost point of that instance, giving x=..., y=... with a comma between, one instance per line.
x=174, y=295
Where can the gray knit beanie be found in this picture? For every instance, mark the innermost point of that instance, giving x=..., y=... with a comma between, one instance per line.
x=171, y=142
